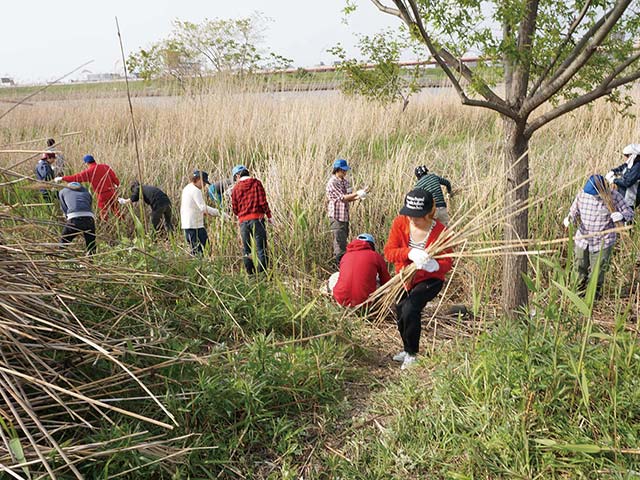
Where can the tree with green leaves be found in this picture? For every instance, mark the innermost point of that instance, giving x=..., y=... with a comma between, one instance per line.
x=556, y=57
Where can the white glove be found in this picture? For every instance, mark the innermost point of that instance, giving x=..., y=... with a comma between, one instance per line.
x=566, y=222
x=57, y=179
x=431, y=266
x=617, y=217
x=419, y=257
x=610, y=176
x=122, y=201
x=362, y=194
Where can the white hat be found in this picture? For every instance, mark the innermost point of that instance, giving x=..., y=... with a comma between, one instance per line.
x=631, y=149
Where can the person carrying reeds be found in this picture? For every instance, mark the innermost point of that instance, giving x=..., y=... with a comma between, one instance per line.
x=626, y=177
x=158, y=201
x=192, y=211
x=339, y=195
x=411, y=234
x=362, y=271
x=249, y=204
x=44, y=173
x=75, y=201
x=104, y=182
x=595, y=209
x=432, y=183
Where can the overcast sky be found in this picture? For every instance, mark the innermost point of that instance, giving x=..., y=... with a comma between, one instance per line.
x=41, y=40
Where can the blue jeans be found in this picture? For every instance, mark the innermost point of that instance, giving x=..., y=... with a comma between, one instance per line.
x=197, y=239
x=253, y=232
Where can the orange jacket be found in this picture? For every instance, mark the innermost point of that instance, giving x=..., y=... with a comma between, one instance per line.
x=397, y=250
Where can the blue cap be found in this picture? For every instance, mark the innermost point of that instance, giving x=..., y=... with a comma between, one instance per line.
x=88, y=159
x=341, y=164
x=367, y=237
x=595, y=181
x=237, y=169
x=74, y=185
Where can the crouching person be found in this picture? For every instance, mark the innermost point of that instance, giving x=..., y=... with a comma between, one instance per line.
x=592, y=216
x=411, y=233
x=75, y=201
x=362, y=270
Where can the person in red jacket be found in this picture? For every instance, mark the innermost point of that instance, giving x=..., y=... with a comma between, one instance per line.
x=249, y=204
x=104, y=182
x=361, y=268
x=411, y=233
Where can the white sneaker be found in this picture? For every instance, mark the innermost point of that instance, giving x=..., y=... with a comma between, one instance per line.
x=409, y=361
x=399, y=357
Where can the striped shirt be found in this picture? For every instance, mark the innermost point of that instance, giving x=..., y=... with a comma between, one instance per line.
x=337, y=208
x=423, y=244
x=592, y=216
x=431, y=183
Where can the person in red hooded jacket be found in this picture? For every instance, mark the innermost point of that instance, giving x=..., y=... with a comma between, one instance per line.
x=411, y=233
x=104, y=182
x=361, y=268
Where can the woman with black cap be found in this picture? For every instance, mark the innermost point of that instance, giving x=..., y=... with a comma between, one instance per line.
x=411, y=233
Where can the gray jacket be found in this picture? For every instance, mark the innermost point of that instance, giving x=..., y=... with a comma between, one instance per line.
x=76, y=203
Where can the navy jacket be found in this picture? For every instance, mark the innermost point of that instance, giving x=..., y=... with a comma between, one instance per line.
x=629, y=176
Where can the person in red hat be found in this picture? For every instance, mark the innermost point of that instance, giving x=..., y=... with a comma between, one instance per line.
x=104, y=182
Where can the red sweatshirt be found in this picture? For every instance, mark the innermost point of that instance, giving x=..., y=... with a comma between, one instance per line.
x=359, y=268
x=397, y=250
x=248, y=200
x=102, y=178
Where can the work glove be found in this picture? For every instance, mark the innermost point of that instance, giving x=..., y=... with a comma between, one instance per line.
x=419, y=257
x=431, y=266
x=362, y=194
x=610, y=176
x=566, y=222
x=122, y=201
x=617, y=217
x=57, y=179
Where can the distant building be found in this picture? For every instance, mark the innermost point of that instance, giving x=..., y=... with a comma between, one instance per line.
x=103, y=77
x=6, y=82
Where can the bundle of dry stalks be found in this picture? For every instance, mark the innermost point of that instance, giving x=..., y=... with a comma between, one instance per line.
x=47, y=399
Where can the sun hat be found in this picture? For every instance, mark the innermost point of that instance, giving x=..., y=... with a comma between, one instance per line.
x=417, y=203
x=341, y=164
x=591, y=187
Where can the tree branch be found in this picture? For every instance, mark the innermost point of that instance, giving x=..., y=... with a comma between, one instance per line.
x=577, y=58
x=385, y=9
x=605, y=88
x=576, y=23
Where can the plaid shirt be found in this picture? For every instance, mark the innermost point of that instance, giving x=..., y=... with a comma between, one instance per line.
x=592, y=216
x=249, y=200
x=337, y=208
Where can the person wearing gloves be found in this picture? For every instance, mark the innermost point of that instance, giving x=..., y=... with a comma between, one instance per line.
x=75, y=201
x=592, y=216
x=44, y=173
x=192, y=211
x=362, y=270
x=249, y=204
x=626, y=176
x=104, y=182
x=431, y=182
x=411, y=233
x=157, y=200
x=339, y=196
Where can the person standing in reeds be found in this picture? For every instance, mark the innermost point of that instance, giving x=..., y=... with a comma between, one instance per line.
x=339, y=196
x=192, y=211
x=411, y=233
x=58, y=164
x=158, y=201
x=75, y=201
x=362, y=270
x=432, y=183
x=104, y=182
x=626, y=177
x=249, y=204
x=591, y=213
x=44, y=173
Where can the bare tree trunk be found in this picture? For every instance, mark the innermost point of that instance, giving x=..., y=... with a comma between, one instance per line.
x=516, y=164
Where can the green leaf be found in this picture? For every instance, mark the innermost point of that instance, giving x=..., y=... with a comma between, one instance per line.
x=575, y=299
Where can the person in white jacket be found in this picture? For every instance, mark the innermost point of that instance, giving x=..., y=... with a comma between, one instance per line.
x=192, y=211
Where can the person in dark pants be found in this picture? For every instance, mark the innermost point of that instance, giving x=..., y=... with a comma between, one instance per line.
x=75, y=201
x=249, y=204
x=159, y=202
x=411, y=234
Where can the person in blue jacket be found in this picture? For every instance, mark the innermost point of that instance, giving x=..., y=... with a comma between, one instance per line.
x=627, y=176
x=44, y=173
